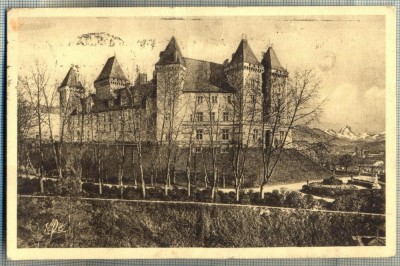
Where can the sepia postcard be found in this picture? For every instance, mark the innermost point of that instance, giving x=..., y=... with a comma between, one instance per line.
x=213, y=132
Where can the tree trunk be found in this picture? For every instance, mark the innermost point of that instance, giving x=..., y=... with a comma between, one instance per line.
x=188, y=180
x=237, y=192
x=262, y=187
x=142, y=181
x=99, y=173
x=214, y=186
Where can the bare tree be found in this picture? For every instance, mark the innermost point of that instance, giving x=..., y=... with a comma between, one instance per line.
x=171, y=115
x=26, y=122
x=33, y=86
x=246, y=107
x=291, y=102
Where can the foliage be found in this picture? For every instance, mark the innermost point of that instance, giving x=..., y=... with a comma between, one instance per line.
x=332, y=181
x=346, y=160
x=150, y=224
x=371, y=201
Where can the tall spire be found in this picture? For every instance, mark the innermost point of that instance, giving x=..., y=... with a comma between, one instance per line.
x=172, y=54
x=244, y=54
x=112, y=69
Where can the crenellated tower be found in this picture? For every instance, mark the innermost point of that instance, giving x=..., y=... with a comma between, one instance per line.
x=274, y=82
x=244, y=74
x=170, y=72
x=275, y=93
x=111, y=78
x=71, y=92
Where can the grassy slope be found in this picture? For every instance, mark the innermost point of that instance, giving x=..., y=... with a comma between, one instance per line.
x=133, y=224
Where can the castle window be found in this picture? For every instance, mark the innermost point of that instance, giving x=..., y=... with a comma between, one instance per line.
x=255, y=135
x=281, y=135
x=253, y=99
x=229, y=99
x=225, y=134
x=197, y=150
x=199, y=99
x=199, y=117
x=214, y=99
x=212, y=116
x=225, y=116
x=199, y=134
x=167, y=117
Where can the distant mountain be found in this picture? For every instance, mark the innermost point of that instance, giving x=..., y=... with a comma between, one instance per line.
x=349, y=134
x=343, y=141
x=97, y=39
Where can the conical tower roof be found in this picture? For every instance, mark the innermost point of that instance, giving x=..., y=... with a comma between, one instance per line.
x=271, y=61
x=244, y=54
x=71, y=79
x=112, y=69
x=172, y=54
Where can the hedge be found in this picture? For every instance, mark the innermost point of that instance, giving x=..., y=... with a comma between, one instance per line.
x=96, y=223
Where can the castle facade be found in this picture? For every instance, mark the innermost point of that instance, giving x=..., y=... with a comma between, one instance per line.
x=187, y=101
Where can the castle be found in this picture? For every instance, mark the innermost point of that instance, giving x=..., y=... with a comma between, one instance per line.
x=186, y=101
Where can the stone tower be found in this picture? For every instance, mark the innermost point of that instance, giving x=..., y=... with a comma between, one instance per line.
x=170, y=75
x=71, y=92
x=244, y=74
x=274, y=80
x=111, y=77
x=275, y=95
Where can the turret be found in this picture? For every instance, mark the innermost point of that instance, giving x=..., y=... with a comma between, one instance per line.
x=111, y=77
x=71, y=91
x=170, y=76
x=274, y=78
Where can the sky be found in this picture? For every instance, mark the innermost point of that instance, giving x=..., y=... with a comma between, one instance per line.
x=346, y=52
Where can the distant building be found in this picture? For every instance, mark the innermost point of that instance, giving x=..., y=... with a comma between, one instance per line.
x=195, y=96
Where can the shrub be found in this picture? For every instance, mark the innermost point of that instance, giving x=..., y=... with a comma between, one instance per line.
x=91, y=189
x=155, y=193
x=204, y=195
x=226, y=197
x=28, y=186
x=332, y=181
x=245, y=199
x=112, y=192
x=132, y=193
x=371, y=201
x=332, y=191
x=51, y=187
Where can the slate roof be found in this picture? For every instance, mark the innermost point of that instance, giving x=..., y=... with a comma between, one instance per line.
x=71, y=79
x=172, y=54
x=271, y=61
x=112, y=69
x=203, y=76
x=145, y=91
x=244, y=54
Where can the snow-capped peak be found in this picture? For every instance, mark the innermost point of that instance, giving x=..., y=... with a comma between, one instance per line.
x=347, y=133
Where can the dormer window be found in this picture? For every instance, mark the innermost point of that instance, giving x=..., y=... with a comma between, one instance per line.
x=199, y=99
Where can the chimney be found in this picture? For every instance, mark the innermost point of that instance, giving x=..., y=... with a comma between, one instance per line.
x=141, y=79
